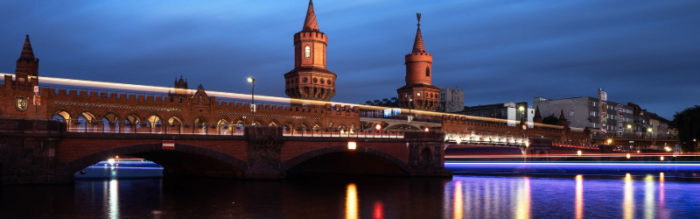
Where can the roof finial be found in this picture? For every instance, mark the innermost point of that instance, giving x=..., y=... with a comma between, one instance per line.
x=418, y=17
x=418, y=46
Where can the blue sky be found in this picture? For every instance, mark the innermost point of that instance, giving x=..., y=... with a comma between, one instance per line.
x=647, y=52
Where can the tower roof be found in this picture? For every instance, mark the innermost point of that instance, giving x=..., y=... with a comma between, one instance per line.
x=27, y=52
x=310, y=21
x=418, y=46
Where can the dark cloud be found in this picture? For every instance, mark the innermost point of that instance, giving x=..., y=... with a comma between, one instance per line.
x=496, y=50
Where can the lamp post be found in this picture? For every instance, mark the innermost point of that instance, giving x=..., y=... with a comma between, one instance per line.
x=410, y=105
x=251, y=80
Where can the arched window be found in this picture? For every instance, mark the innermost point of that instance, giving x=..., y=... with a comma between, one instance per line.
x=307, y=52
x=427, y=71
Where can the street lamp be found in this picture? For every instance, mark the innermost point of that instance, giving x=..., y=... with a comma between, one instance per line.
x=251, y=80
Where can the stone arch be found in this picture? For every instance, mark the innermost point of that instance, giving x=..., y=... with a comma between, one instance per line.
x=174, y=125
x=110, y=122
x=239, y=124
x=132, y=123
x=62, y=116
x=154, y=123
x=165, y=158
x=199, y=126
x=288, y=126
x=223, y=127
x=273, y=123
x=85, y=122
x=308, y=156
x=301, y=127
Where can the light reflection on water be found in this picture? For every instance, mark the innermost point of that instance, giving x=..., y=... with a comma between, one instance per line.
x=579, y=196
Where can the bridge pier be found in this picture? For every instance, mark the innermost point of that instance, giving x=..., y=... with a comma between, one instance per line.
x=264, y=153
x=27, y=152
x=426, y=154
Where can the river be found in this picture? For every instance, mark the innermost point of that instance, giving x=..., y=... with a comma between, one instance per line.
x=462, y=196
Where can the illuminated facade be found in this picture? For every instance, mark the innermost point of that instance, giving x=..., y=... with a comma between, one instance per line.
x=310, y=79
x=419, y=93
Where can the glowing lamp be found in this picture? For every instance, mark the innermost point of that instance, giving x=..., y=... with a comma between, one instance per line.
x=628, y=156
x=426, y=129
x=579, y=153
x=610, y=141
x=378, y=127
x=110, y=161
x=352, y=145
x=667, y=148
x=661, y=158
x=250, y=80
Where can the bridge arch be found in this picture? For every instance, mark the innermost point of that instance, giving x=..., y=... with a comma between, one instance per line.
x=184, y=159
x=223, y=127
x=338, y=159
x=154, y=124
x=174, y=125
x=200, y=125
x=62, y=116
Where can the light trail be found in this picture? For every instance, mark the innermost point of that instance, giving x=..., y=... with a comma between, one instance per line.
x=161, y=89
x=574, y=155
x=462, y=163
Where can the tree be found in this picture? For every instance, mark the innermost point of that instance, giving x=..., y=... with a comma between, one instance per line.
x=551, y=119
x=688, y=125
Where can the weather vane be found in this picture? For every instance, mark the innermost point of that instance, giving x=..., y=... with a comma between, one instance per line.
x=418, y=17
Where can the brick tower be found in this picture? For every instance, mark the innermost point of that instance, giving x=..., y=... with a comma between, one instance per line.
x=310, y=79
x=419, y=93
x=27, y=67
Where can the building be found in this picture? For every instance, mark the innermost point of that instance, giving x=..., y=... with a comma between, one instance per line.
x=451, y=100
x=310, y=79
x=605, y=117
x=511, y=111
x=419, y=93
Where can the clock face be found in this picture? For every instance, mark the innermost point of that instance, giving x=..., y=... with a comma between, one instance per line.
x=21, y=103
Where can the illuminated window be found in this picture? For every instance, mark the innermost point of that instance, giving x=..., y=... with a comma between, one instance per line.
x=307, y=52
x=427, y=71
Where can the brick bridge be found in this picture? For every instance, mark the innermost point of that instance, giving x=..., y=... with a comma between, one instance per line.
x=33, y=151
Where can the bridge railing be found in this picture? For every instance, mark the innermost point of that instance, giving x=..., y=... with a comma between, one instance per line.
x=343, y=134
x=241, y=132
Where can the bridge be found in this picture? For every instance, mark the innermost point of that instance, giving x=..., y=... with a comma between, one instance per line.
x=51, y=132
x=37, y=151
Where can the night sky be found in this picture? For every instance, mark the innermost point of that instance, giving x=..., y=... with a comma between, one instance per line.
x=647, y=52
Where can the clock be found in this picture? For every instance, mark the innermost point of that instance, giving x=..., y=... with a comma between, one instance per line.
x=21, y=103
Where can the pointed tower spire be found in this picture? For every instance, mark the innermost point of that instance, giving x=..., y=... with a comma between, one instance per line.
x=418, y=46
x=27, y=52
x=538, y=117
x=310, y=22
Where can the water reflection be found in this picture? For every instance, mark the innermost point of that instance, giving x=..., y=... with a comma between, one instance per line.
x=459, y=197
x=628, y=201
x=378, y=210
x=113, y=199
x=578, y=206
x=649, y=196
x=458, y=201
x=351, y=201
x=522, y=210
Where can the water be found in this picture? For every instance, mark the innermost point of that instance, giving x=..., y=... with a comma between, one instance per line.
x=630, y=196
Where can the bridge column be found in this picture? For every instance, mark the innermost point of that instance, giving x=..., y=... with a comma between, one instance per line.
x=27, y=152
x=426, y=153
x=264, y=152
